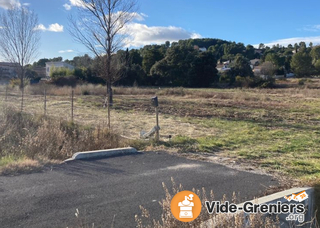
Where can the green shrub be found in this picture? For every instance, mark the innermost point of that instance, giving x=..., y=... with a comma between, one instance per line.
x=227, y=77
x=253, y=82
x=61, y=72
x=85, y=92
x=17, y=82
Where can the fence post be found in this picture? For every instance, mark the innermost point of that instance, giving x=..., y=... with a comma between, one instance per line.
x=157, y=122
x=45, y=101
x=154, y=102
x=72, y=94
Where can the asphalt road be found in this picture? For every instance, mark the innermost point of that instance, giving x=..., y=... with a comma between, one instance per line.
x=112, y=189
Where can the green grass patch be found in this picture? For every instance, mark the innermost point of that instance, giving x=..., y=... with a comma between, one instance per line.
x=7, y=160
x=289, y=148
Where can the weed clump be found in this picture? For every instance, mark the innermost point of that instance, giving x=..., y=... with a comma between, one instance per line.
x=37, y=137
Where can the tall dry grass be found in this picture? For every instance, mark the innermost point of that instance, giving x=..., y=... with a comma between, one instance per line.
x=86, y=89
x=100, y=90
x=36, y=137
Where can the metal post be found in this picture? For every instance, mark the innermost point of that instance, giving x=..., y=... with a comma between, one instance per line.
x=157, y=124
x=45, y=101
x=72, y=105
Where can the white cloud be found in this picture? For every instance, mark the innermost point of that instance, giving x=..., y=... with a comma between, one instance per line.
x=55, y=28
x=52, y=28
x=7, y=4
x=40, y=27
x=144, y=15
x=139, y=16
x=66, y=51
x=312, y=28
x=284, y=42
x=67, y=6
x=78, y=3
x=26, y=4
x=140, y=34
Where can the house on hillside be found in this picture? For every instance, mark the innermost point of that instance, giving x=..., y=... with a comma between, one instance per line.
x=200, y=49
x=257, y=70
x=57, y=65
x=254, y=62
x=223, y=67
x=258, y=51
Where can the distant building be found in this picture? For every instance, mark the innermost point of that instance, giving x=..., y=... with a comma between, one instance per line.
x=254, y=62
x=200, y=49
x=258, y=51
x=223, y=67
x=257, y=70
x=8, y=70
x=57, y=65
x=41, y=71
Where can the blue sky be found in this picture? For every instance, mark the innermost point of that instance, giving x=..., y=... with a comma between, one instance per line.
x=247, y=21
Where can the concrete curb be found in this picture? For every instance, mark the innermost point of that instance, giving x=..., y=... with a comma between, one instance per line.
x=102, y=153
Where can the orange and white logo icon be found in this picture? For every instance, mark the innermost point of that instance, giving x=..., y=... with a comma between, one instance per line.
x=299, y=197
x=185, y=206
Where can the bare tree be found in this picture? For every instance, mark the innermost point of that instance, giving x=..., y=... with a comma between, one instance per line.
x=19, y=39
x=101, y=26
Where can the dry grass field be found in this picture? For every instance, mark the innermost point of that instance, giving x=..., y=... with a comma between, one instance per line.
x=274, y=129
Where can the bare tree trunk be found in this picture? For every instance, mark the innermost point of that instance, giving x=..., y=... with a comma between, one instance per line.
x=22, y=97
x=109, y=76
x=109, y=105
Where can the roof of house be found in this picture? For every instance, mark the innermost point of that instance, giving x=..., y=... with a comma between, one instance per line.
x=254, y=61
x=8, y=64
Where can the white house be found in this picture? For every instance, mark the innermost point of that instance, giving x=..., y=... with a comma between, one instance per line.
x=223, y=67
x=200, y=49
x=56, y=65
x=254, y=63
